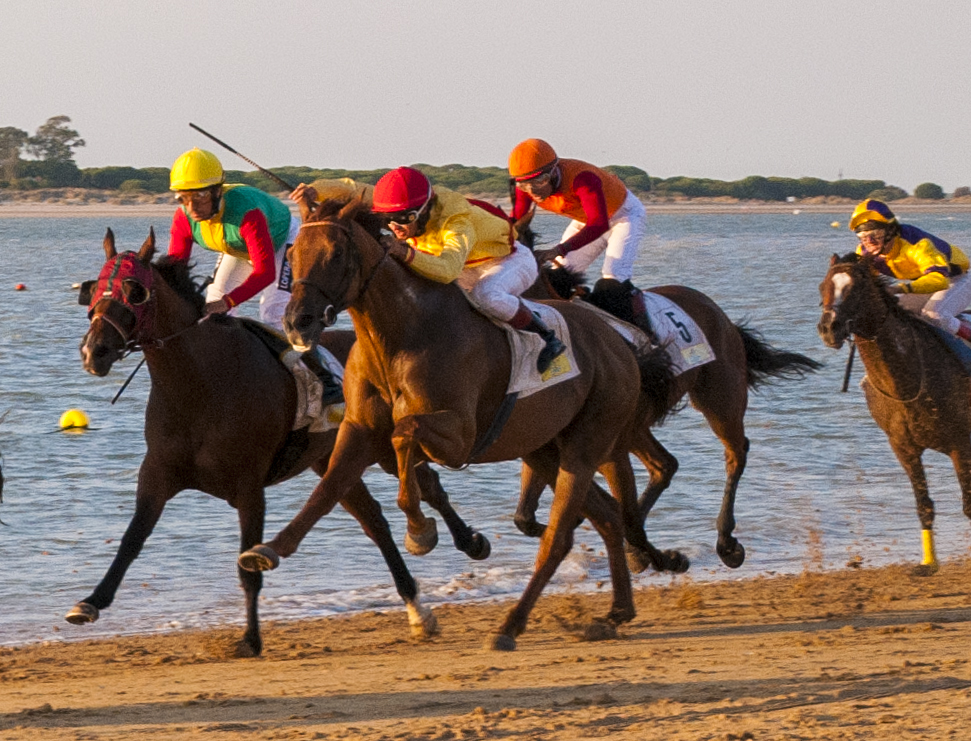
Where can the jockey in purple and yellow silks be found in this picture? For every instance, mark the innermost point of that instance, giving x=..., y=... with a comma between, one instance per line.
x=250, y=229
x=607, y=217
x=933, y=271
x=442, y=236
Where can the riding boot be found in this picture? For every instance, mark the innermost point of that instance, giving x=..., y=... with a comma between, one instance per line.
x=333, y=392
x=526, y=321
x=639, y=310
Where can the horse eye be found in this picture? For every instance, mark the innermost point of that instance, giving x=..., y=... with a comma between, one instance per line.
x=135, y=292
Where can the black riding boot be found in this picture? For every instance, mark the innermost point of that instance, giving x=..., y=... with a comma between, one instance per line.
x=639, y=311
x=527, y=321
x=333, y=392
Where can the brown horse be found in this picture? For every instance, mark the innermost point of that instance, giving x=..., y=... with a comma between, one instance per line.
x=219, y=420
x=915, y=388
x=430, y=373
x=718, y=389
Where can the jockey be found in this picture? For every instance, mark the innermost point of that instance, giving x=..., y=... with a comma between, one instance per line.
x=442, y=236
x=251, y=230
x=935, y=272
x=607, y=217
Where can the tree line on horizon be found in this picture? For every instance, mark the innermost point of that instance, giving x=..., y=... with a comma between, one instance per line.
x=46, y=160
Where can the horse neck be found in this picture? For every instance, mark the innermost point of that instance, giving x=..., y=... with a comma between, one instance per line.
x=174, y=342
x=894, y=356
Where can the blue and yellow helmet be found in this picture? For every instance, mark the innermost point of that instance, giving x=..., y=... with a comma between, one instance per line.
x=872, y=210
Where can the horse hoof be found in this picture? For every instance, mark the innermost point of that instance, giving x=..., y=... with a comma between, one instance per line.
x=600, y=630
x=481, y=548
x=245, y=650
x=82, y=613
x=732, y=556
x=530, y=527
x=258, y=558
x=676, y=562
x=925, y=569
x=638, y=561
x=501, y=642
x=418, y=544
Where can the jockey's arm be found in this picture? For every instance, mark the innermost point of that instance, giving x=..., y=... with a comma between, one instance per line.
x=456, y=238
x=589, y=190
x=180, y=237
x=259, y=246
x=933, y=272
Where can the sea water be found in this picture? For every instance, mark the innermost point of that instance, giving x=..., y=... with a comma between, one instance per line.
x=821, y=489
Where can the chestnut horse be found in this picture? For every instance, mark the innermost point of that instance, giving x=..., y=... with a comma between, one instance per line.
x=219, y=420
x=430, y=373
x=718, y=389
x=915, y=388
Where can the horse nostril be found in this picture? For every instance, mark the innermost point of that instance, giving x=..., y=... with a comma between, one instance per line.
x=304, y=322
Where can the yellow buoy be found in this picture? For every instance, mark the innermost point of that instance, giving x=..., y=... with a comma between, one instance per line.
x=74, y=419
x=835, y=225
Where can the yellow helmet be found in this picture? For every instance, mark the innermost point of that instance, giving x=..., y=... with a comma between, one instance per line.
x=196, y=169
x=872, y=210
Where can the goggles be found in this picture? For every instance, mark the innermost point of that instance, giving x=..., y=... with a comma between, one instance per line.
x=195, y=197
x=537, y=181
x=871, y=236
x=404, y=218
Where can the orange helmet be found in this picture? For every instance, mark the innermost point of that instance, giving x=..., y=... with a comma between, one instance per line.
x=529, y=157
x=401, y=189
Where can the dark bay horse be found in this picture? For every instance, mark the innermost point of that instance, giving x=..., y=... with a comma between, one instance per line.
x=916, y=389
x=219, y=420
x=718, y=389
x=430, y=373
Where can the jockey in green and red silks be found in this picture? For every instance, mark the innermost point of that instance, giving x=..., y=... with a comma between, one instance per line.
x=250, y=228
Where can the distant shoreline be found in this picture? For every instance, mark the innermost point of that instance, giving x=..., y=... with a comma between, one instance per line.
x=25, y=206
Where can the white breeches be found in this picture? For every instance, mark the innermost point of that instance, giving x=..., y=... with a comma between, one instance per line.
x=620, y=242
x=494, y=287
x=942, y=308
x=232, y=271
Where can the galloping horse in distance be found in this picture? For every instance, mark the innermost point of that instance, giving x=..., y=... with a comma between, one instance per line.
x=916, y=389
x=430, y=373
x=718, y=389
x=219, y=420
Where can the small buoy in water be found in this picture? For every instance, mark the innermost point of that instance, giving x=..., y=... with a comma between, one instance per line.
x=835, y=225
x=75, y=286
x=74, y=419
x=796, y=211
x=20, y=287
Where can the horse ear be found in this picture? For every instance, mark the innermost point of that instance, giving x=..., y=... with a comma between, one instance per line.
x=353, y=206
x=147, y=251
x=834, y=259
x=307, y=205
x=109, y=244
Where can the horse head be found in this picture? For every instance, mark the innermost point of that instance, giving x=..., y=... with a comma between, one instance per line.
x=328, y=266
x=118, y=303
x=853, y=300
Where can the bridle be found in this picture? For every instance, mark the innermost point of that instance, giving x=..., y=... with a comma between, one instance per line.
x=832, y=309
x=332, y=308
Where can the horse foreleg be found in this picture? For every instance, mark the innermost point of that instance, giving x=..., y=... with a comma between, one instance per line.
x=352, y=455
x=531, y=489
x=604, y=514
x=471, y=542
x=961, y=459
x=910, y=459
x=252, y=511
x=422, y=535
x=367, y=511
x=149, y=504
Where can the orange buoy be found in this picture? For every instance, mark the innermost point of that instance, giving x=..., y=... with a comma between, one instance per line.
x=20, y=287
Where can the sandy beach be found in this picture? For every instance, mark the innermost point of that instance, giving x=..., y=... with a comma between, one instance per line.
x=854, y=654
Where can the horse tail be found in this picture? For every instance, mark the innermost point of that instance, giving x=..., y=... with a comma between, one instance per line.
x=658, y=382
x=765, y=363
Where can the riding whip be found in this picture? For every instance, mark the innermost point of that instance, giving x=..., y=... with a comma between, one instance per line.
x=849, y=367
x=125, y=384
x=266, y=172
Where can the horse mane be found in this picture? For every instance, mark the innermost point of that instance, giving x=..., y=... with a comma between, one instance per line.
x=177, y=274
x=863, y=268
x=351, y=207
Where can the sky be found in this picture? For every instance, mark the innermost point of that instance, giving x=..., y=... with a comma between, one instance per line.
x=720, y=89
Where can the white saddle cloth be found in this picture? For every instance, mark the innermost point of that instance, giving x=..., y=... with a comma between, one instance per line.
x=310, y=411
x=526, y=346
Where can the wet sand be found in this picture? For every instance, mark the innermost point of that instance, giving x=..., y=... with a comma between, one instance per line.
x=854, y=654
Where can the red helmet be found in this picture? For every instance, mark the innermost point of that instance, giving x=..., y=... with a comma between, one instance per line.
x=402, y=189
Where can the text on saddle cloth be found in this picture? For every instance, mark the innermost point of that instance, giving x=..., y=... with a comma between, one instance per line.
x=310, y=411
x=524, y=379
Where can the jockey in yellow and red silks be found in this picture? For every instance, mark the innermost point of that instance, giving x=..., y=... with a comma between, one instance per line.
x=606, y=216
x=935, y=272
x=441, y=235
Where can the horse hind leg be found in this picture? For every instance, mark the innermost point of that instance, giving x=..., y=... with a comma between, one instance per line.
x=661, y=467
x=252, y=512
x=467, y=540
